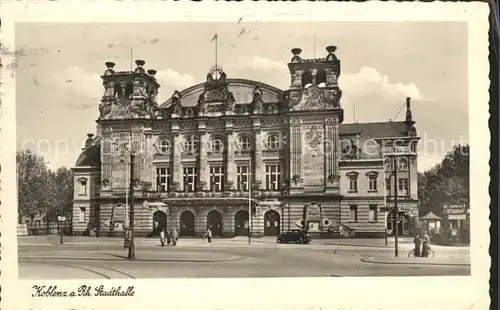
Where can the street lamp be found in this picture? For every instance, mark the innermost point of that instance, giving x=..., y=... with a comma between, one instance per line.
x=129, y=235
x=394, y=172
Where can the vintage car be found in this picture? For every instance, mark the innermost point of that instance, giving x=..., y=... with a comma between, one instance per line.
x=294, y=236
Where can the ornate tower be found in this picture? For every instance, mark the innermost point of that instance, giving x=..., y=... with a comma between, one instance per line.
x=315, y=115
x=126, y=109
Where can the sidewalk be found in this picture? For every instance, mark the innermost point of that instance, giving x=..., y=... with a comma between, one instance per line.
x=437, y=261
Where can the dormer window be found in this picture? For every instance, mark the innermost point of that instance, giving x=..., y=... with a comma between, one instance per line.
x=353, y=181
x=82, y=186
x=372, y=181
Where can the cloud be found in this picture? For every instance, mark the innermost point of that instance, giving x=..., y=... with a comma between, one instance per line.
x=261, y=63
x=87, y=85
x=172, y=79
x=369, y=81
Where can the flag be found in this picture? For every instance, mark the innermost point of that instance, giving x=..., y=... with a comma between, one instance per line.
x=214, y=38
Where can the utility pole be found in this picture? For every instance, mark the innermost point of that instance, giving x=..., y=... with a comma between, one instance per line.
x=131, y=250
x=396, y=211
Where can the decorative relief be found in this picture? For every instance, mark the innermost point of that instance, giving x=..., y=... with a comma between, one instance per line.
x=311, y=98
x=257, y=102
x=295, y=122
x=107, y=131
x=272, y=122
x=211, y=125
x=187, y=126
x=314, y=139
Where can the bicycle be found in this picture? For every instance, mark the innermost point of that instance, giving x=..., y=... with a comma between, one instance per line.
x=430, y=253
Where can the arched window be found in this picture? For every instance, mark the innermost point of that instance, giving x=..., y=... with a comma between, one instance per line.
x=306, y=79
x=244, y=143
x=321, y=78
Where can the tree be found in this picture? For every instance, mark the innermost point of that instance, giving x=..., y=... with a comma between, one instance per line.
x=447, y=183
x=61, y=195
x=33, y=185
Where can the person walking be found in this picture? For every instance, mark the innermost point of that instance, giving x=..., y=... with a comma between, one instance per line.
x=425, y=245
x=175, y=237
x=162, y=237
x=209, y=235
x=417, y=242
x=169, y=238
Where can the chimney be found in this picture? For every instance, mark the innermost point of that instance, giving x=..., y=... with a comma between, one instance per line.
x=409, y=118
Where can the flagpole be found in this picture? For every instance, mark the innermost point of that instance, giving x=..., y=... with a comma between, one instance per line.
x=216, y=39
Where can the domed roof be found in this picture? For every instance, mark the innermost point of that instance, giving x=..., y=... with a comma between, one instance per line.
x=90, y=156
x=242, y=90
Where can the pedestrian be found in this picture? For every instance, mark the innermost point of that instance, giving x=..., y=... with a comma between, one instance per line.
x=175, y=237
x=425, y=245
x=162, y=237
x=209, y=235
x=169, y=238
x=417, y=242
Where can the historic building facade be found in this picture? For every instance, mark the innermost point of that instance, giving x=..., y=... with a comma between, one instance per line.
x=217, y=150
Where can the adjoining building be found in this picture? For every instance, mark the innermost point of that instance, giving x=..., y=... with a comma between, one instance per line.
x=199, y=155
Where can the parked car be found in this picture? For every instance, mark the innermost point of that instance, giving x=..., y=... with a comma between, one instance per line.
x=294, y=236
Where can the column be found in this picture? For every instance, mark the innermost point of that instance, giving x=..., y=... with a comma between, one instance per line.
x=337, y=150
x=257, y=159
x=329, y=151
x=203, y=171
x=176, y=162
x=106, y=159
x=295, y=152
x=229, y=169
x=148, y=156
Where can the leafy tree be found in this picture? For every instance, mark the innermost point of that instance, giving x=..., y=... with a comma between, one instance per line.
x=447, y=183
x=33, y=186
x=61, y=195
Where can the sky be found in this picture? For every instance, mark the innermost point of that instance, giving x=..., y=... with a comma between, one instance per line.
x=58, y=84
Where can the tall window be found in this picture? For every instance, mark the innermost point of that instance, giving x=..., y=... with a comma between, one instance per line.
x=388, y=186
x=216, y=178
x=403, y=186
x=372, y=216
x=82, y=215
x=162, y=178
x=372, y=181
x=83, y=186
x=190, y=178
x=353, y=213
x=353, y=181
x=242, y=178
x=273, y=176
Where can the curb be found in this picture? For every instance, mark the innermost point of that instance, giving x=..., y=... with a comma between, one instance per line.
x=119, y=258
x=371, y=260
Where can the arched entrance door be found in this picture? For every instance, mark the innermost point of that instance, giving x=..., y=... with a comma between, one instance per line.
x=271, y=223
x=214, y=222
x=187, y=224
x=159, y=222
x=241, y=223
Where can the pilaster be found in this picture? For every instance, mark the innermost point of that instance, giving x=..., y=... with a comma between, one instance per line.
x=229, y=149
x=203, y=168
x=176, y=162
x=257, y=159
x=295, y=154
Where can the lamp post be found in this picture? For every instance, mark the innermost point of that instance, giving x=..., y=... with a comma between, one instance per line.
x=394, y=172
x=131, y=249
x=129, y=235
